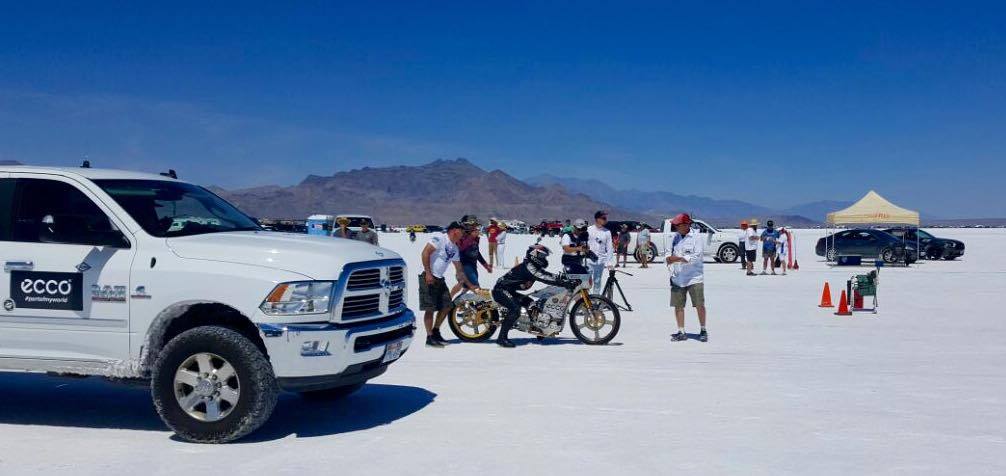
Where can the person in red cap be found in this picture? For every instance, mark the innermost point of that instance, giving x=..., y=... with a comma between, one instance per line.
x=684, y=259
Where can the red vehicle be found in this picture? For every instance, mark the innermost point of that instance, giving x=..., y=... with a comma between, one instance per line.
x=550, y=228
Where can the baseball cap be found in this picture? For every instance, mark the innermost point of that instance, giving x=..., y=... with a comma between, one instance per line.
x=455, y=226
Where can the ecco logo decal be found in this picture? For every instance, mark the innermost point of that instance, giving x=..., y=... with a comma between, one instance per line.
x=51, y=287
x=44, y=290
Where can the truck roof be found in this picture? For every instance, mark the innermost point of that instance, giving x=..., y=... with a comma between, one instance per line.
x=87, y=173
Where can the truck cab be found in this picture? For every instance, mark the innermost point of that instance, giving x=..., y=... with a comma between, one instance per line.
x=147, y=278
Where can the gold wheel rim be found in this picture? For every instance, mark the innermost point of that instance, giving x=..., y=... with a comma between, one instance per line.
x=471, y=324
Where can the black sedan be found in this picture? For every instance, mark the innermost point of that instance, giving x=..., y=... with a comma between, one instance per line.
x=867, y=243
x=931, y=246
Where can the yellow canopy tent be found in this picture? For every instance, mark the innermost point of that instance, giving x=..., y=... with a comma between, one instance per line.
x=873, y=209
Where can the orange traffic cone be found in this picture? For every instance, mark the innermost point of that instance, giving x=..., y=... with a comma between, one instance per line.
x=826, y=296
x=796, y=264
x=843, y=306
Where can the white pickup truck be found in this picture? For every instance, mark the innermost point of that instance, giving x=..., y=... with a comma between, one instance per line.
x=720, y=246
x=145, y=278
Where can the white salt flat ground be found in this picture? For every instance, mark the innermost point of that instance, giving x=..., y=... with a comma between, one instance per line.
x=782, y=387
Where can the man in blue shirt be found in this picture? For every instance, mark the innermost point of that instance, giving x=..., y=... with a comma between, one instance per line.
x=769, y=240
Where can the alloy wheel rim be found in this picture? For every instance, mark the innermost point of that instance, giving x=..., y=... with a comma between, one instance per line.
x=207, y=387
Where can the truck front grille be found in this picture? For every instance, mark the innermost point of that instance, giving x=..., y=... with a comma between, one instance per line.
x=372, y=292
x=396, y=299
x=364, y=279
x=396, y=274
x=355, y=307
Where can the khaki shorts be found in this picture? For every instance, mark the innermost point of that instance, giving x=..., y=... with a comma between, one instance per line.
x=696, y=292
x=434, y=297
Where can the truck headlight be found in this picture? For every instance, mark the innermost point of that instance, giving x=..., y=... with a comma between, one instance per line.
x=299, y=298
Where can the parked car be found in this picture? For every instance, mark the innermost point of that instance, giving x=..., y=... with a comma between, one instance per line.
x=931, y=246
x=324, y=225
x=550, y=228
x=147, y=279
x=867, y=243
x=415, y=229
x=434, y=228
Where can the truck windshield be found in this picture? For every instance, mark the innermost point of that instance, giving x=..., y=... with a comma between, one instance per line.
x=166, y=209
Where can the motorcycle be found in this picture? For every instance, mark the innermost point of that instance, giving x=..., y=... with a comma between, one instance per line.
x=594, y=319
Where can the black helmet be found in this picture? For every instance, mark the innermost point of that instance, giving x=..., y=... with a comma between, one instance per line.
x=538, y=256
x=470, y=222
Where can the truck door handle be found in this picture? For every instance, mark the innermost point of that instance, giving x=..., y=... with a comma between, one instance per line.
x=18, y=266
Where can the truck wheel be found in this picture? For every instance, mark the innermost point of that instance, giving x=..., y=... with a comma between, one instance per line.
x=651, y=254
x=728, y=253
x=212, y=385
x=332, y=393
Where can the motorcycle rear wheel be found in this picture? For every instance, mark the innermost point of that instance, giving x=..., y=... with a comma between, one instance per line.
x=584, y=324
x=471, y=325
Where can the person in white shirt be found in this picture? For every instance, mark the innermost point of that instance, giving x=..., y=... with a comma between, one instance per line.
x=434, y=296
x=501, y=246
x=643, y=245
x=684, y=259
x=600, y=242
x=742, y=239
x=751, y=245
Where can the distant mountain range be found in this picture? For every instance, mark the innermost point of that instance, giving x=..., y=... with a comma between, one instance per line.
x=444, y=190
x=661, y=203
x=435, y=193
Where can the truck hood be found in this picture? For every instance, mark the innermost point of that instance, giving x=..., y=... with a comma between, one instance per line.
x=316, y=257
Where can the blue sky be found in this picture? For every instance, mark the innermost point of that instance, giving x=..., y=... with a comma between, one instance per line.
x=774, y=103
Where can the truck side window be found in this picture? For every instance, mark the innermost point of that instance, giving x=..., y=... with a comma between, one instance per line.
x=36, y=200
x=6, y=206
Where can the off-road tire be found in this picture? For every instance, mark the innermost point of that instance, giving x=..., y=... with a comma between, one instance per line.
x=330, y=394
x=258, y=390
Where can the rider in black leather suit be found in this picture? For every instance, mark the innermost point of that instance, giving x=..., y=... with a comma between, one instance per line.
x=521, y=278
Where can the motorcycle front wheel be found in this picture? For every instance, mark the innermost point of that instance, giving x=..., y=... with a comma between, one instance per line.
x=472, y=325
x=597, y=325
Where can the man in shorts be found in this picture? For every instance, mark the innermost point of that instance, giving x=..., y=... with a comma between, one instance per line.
x=769, y=240
x=434, y=296
x=684, y=259
x=751, y=245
